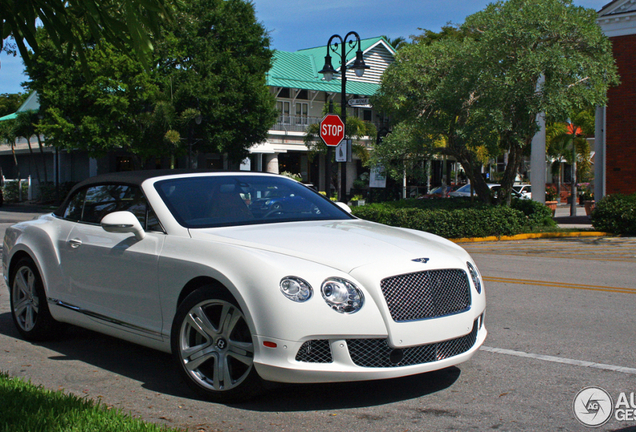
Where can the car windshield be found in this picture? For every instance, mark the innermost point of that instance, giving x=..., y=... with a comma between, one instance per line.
x=215, y=201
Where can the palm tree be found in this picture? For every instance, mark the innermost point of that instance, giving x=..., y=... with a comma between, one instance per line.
x=397, y=42
x=567, y=141
x=24, y=127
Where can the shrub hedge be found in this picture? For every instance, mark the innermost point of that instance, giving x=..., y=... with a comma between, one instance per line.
x=458, y=217
x=616, y=214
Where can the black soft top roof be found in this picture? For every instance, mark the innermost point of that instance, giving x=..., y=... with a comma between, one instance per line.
x=135, y=178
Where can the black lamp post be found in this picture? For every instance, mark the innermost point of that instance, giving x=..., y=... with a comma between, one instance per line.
x=328, y=71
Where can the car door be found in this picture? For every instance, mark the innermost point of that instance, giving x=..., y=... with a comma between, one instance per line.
x=113, y=276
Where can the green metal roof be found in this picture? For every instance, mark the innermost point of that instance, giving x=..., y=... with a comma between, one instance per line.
x=320, y=52
x=300, y=70
x=9, y=116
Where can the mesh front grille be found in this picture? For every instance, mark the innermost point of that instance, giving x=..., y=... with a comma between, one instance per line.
x=315, y=351
x=377, y=352
x=426, y=294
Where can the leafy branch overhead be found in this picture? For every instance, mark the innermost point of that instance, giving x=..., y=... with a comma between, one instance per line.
x=126, y=24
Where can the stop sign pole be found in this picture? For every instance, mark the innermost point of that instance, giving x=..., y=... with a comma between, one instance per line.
x=335, y=42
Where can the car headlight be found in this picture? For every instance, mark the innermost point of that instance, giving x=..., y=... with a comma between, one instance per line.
x=296, y=289
x=341, y=295
x=474, y=274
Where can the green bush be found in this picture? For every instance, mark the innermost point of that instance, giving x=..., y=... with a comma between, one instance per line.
x=10, y=191
x=538, y=215
x=467, y=222
x=49, y=194
x=616, y=214
x=460, y=217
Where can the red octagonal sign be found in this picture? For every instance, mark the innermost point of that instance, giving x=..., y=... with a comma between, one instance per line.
x=332, y=130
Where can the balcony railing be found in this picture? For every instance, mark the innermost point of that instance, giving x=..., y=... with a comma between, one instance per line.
x=295, y=123
x=300, y=123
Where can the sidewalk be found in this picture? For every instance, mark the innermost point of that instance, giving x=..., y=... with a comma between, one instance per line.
x=564, y=220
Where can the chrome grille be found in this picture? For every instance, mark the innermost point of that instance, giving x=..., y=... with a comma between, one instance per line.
x=426, y=294
x=377, y=352
x=315, y=351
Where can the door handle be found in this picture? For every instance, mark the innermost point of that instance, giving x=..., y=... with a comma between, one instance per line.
x=75, y=243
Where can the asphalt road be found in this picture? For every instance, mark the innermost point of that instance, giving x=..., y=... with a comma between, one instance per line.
x=560, y=318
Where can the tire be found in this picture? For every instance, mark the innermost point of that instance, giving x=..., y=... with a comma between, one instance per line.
x=29, y=307
x=213, y=347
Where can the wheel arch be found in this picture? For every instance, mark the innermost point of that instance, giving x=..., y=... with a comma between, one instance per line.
x=199, y=282
x=16, y=258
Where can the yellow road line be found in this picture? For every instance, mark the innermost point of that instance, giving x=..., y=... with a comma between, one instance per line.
x=561, y=256
x=561, y=285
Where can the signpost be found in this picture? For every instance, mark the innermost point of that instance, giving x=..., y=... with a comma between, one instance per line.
x=332, y=130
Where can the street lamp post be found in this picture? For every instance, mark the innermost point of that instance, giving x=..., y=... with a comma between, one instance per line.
x=328, y=71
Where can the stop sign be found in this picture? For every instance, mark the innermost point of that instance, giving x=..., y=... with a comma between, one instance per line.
x=332, y=130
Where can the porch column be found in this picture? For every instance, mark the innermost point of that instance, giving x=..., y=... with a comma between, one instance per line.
x=271, y=163
x=599, y=154
x=537, y=162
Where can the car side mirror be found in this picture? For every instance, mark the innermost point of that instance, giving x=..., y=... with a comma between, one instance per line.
x=123, y=222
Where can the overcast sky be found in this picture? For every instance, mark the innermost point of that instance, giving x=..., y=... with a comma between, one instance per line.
x=297, y=24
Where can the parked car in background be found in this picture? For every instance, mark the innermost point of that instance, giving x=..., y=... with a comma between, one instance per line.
x=439, y=192
x=465, y=191
x=525, y=190
x=239, y=290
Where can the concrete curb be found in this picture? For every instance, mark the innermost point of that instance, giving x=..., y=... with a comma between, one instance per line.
x=533, y=236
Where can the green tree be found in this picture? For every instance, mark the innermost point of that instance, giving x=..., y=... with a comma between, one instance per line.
x=125, y=24
x=482, y=88
x=537, y=56
x=10, y=102
x=105, y=110
x=430, y=94
x=214, y=60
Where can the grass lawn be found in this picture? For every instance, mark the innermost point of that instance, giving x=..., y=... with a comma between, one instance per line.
x=26, y=407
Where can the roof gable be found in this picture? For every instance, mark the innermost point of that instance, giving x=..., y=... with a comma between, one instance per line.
x=300, y=69
x=618, y=18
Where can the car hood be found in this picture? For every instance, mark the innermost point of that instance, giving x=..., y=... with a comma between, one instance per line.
x=344, y=245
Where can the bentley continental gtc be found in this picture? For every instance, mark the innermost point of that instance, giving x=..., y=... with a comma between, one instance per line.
x=241, y=293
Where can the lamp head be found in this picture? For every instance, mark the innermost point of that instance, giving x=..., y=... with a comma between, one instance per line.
x=328, y=71
x=358, y=65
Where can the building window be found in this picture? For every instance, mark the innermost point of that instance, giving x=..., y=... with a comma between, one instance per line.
x=283, y=112
x=123, y=164
x=367, y=115
x=302, y=110
x=302, y=95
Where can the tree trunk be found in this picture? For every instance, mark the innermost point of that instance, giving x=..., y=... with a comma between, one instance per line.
x=46, y=177
x=37, y=170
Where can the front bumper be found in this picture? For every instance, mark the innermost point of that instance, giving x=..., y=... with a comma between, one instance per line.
x=343, y=360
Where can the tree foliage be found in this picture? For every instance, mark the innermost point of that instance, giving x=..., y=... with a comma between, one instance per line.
x=205, y=92
x=105, y=110
x=214, y=60
x=481, y=87
x=125, y=24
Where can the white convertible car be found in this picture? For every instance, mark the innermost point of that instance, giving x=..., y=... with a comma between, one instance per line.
x=192, y=264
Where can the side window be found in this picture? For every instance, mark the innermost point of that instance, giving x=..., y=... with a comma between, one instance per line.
x=74, y=208
x=101, y=200
x=90, y=205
